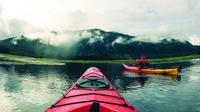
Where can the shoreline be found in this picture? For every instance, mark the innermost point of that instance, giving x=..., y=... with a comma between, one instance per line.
x=8, y=59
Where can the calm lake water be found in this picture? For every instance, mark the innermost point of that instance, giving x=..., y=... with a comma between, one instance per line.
x=33, y=88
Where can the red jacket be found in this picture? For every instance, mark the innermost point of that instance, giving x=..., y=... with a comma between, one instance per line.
x=142, y=62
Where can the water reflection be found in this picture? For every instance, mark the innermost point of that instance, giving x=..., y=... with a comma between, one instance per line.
x=12, y=82
x=25, y=88
x=33, y=88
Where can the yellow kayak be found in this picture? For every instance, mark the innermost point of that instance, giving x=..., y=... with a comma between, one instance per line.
x=152, y=71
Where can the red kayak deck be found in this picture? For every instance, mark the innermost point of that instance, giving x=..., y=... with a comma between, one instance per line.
x=92, y=92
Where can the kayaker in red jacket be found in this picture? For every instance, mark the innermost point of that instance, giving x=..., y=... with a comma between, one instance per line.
x=143, y=62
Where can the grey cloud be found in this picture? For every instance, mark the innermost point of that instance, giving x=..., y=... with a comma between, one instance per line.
x=135, y=17
x=4, y=28
x=21, y=27
x=15, y=27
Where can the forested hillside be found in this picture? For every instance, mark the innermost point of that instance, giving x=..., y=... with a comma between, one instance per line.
x=97, y=46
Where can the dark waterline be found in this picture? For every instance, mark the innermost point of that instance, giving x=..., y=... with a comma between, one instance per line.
x=33, y=88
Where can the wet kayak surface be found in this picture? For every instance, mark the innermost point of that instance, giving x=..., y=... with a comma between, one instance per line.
x=33, y=88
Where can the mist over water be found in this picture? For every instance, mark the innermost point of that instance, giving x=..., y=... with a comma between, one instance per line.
x=33, y=88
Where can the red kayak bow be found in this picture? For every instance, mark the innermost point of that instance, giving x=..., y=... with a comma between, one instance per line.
x=92, y=92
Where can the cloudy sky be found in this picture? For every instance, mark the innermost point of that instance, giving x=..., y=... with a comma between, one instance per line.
x=179, y=18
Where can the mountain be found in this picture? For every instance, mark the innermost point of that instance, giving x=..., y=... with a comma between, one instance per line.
x=95, y=44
